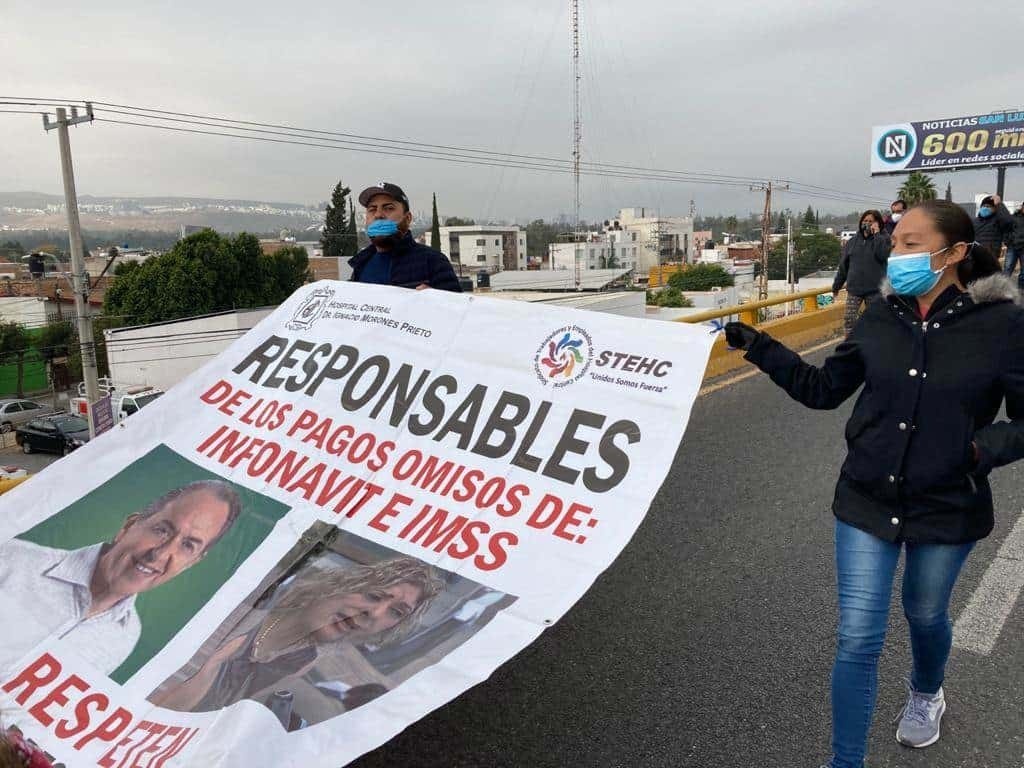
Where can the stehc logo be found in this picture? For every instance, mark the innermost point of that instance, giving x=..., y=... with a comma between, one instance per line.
x=310, y=310
x=564, y=356
x=896, y=146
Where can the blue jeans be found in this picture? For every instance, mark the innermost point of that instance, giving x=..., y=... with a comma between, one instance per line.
x=865, y=568
x=1010, y=261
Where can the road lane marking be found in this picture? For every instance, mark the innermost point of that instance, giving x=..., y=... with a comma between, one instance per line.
x=978, y=628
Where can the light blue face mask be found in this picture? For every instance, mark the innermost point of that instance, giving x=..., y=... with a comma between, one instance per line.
x=382, y=228
x=985, y=211
x=912, y=274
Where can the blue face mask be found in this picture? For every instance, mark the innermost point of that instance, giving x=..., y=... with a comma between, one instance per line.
x=985, y=211
x=382, y=228
x=912, y=274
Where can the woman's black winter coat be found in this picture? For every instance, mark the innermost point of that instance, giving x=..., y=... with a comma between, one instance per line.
x=931, y=388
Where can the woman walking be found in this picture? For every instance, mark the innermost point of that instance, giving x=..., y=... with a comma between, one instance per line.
x=862, y=266
x=936, y=357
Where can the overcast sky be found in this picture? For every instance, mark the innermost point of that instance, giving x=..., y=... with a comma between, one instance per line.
x=788, y=89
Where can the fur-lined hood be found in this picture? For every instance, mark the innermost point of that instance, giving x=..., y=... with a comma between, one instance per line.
x=984, y=290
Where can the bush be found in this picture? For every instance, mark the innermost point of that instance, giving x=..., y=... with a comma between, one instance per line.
x=700, y=277
x=668, y=297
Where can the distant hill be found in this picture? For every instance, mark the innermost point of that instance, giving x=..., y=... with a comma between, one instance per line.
x=37, y=210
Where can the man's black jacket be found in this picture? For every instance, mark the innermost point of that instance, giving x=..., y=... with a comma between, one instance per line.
x=412, y=264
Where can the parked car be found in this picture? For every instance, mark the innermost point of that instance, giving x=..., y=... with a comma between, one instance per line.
x=61, y=434
x=14, y=413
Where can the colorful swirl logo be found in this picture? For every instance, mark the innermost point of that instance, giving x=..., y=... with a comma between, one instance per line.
x=564, y=356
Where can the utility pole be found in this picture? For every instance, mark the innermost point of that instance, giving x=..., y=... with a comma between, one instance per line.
x=789, y=254
x=766, y=240
x=79, y=279
x=691, y=249
x=653, y=243
x=1000, y=180
x=577, y=131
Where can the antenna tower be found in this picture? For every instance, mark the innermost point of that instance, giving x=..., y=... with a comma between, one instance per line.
x=577, y=131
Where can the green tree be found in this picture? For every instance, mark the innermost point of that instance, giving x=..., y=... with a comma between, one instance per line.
x=949, y=192
x=123, y=267
x=11, y=250
x=808, y=221
x=335, y=231
x=814, y=251
x=205, y=273
x=700, y=277
x=14, y=344
x=435, y=227
x=917, y=188
x=54, y=340
x=455, y=221
x=352, y=241
x=283, y=272
x=776, y=261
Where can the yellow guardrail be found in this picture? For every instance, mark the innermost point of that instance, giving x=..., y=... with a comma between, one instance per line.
x=748, y=312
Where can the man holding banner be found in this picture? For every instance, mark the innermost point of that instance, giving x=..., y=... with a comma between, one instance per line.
x=88, y=595
x=393, y=256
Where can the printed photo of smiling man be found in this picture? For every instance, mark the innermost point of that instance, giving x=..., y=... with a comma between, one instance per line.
x=87, y=595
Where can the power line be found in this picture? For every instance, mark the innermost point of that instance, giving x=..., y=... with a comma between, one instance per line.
x=207, y=119
x=424, y=150
x=479, y=162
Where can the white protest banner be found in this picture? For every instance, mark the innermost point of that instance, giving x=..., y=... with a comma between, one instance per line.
x=358, y=511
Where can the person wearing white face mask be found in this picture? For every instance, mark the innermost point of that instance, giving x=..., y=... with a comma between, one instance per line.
x=937, y=359
x=896, y=211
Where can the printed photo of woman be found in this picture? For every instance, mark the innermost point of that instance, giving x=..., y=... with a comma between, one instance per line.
x=321, y=611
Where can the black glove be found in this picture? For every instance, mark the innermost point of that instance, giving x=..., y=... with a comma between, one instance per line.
x=740, y=335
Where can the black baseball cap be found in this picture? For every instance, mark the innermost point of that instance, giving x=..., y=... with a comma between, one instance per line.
x=383, y=188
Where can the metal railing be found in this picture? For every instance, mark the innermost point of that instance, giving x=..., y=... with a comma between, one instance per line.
x=748, y=312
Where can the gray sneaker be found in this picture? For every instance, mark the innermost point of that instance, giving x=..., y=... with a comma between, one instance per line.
x=920, y=719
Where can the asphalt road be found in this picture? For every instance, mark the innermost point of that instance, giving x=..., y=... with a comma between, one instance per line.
x=709, y=641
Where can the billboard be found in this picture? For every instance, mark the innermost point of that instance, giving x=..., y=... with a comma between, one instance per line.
x=357, y=511
x=976, y=141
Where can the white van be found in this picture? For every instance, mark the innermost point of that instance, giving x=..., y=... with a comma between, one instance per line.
x=124, y=399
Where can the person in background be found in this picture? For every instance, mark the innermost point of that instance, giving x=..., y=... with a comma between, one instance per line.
x=936, y=359
x=1015, y=246
x=993, y=224
x=862, y=266
x=393, y=256
x=896, y=211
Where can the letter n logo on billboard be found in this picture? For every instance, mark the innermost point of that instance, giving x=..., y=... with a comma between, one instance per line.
x=896, y=146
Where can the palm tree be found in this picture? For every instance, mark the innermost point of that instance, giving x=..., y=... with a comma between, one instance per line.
x=917, y=188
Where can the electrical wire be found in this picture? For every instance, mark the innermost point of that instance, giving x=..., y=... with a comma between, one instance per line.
x=424, y=150
x=550, y=169
x=138, y=112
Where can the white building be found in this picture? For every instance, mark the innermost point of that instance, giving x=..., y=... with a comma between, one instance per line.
x=657, y=238
x=479, y=246
x=602, y=250
x=135, y=359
